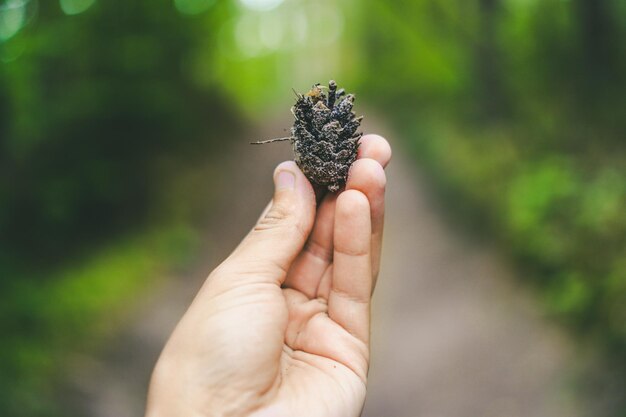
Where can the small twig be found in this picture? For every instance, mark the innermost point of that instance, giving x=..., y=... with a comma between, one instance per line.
x=262, y=142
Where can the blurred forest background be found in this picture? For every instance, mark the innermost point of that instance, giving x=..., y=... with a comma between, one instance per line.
x=115, y=115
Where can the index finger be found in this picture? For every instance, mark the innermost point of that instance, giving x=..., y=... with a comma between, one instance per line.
x=375, y=147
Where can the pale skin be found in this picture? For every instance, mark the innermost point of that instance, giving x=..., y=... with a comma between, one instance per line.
x=281, y=327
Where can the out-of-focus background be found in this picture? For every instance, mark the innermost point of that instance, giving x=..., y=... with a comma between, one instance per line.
x=126, y=175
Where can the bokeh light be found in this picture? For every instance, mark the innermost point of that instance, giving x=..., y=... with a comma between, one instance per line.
x=297, y=41
x=72, y=7
x=12, y=17
x=261, y=5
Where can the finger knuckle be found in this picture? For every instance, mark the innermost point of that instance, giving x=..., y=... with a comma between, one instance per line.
x=278, y=216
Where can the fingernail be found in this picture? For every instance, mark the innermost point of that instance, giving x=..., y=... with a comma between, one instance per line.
x=285, y=179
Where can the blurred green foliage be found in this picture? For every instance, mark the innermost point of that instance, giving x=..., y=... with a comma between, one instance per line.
x=113, y=114
x=101, y=126
x=96, y=107
x=519, y=109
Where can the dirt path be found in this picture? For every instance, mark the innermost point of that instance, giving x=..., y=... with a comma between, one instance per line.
x=454, y=333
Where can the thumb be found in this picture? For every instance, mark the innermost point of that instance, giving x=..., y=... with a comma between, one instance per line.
x=267, y=252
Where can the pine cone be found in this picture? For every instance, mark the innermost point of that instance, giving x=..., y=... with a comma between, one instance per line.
x=324, y=135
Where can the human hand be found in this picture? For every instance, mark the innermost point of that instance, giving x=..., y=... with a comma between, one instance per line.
x=281, y=327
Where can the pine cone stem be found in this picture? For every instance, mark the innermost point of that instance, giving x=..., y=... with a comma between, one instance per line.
x=262, y=142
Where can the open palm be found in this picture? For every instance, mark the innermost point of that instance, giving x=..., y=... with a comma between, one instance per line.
x=281, y=328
